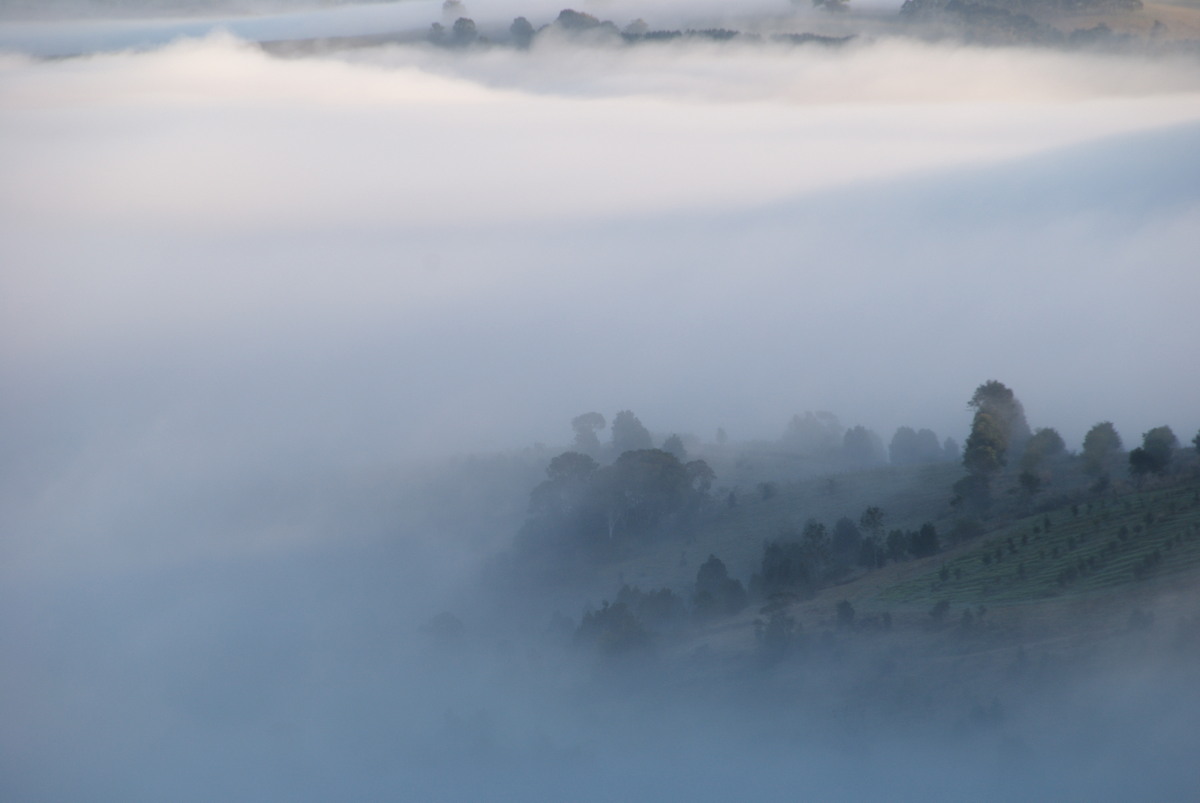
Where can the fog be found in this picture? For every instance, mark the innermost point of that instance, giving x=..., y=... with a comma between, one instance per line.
x=247, y=302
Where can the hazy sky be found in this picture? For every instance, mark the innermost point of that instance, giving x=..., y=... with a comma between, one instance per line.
x=231, y=286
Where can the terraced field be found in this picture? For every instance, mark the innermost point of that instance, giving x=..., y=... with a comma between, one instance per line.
x=1078, y=549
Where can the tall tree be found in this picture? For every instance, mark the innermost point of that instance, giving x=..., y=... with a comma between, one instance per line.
x=674, y=445
x=1101, y=445
x=586, y=426
x=628, y=434
x=1045, y=443
x=862, y=447
x=998, y=401
x=818, y=433
x=1154, y=455
x=987, y=446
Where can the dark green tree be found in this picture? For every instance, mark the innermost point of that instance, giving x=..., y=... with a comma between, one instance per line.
x=987, y=446
x=1154, y=455
x=998, y=401
x=1045, y=444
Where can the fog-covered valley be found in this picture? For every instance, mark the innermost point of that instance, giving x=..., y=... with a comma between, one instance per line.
x=289, y=342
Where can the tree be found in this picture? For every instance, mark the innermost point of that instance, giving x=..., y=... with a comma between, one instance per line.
x=818, y=433
x=924, y=542
x=716, y=593
x=950, y=451
x=700, y=476
x=862, y=447
x=1100, y=446
x=897, y=545
x=785, y=569
x=1045, y=443
x=613, y=630
x=628, y=434
x=674, y=445
x=999, y=402
x=522, y=32
x=1154, y=455
x=910, y=447
x=566, y=487
x=871, y=520
x=463, y=32
x=586, y=426
x=984, y=454
x=571, y=467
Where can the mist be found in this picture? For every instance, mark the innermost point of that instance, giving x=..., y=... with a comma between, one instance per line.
x=258, y=314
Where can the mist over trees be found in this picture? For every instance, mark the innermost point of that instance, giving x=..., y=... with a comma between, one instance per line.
x=306, y=495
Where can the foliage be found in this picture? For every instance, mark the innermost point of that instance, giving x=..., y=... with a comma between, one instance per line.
x=463, y=32
x=613, y=630
x=987, y=446
x=924, y=542
x=628, y=434
x=786, y=569
x=586, y=426
x=815, y=434
x=911, y=447
x=661, y=610
x=1045, y=443
x=1154, y=455
x=998, y=401
x=521, y=31
x=862, y=447
x=590, y=511
x=1100, y=446
x=674, y=445
x=716, y=593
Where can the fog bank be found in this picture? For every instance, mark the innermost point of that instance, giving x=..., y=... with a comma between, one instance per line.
x=243, y=296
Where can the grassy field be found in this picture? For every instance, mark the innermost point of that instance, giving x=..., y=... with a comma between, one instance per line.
x=1078, y=549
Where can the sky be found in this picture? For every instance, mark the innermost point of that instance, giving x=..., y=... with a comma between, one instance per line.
x=237, y=288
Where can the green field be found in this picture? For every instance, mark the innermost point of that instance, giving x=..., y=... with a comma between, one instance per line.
x=1088, y=547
